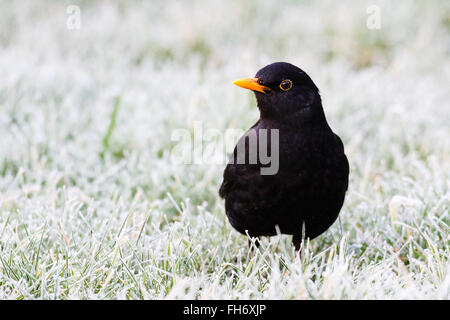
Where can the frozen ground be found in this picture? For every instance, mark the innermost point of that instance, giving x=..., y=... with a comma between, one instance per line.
x=91, y=205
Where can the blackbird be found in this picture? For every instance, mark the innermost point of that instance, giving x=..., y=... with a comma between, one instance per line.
x=307, y=189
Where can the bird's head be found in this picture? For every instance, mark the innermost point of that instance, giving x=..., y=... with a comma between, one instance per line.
x=286, y=93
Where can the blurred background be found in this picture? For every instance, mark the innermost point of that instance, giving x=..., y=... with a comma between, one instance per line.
x=90, y=92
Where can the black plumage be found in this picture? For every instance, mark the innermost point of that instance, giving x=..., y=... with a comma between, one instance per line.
x=310, y=185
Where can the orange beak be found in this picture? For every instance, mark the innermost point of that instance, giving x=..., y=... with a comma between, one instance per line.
x=252, y=84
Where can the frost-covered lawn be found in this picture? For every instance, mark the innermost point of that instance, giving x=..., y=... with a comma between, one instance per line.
x=91, y=205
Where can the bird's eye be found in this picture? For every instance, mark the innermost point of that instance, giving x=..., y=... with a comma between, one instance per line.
x=286, y=85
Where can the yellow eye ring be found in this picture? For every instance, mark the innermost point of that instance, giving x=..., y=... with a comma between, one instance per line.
x=286, y=85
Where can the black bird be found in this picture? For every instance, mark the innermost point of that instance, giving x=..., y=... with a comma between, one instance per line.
x=309, y=185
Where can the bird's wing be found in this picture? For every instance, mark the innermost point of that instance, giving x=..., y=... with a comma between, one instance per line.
x=227, y=182
x=230, y=172
x=345, y=164
x=234, y=172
